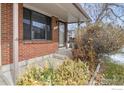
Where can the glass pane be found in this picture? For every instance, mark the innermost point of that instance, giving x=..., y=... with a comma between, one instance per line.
x=38, y=26
x=26, y=24
x=49, y=32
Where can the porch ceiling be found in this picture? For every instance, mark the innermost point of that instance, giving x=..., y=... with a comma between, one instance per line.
x=64, y=11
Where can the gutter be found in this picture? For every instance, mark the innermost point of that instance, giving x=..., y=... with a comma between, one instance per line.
x=79, y=8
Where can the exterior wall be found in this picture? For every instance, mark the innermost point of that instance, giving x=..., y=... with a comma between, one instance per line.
x=6, y=32
x=27, y=49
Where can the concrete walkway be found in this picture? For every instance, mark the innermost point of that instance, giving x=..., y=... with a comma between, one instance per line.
x=65, y=52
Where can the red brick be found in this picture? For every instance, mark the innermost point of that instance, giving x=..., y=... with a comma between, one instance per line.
x=27, y=49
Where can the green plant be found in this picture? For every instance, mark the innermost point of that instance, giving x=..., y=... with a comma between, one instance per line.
x=113, y=74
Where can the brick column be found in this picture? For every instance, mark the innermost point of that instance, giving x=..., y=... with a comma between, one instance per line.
x=54, y=26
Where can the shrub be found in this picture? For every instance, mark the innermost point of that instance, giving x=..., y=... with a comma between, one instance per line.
x=97, y=39
x=35, y=75
x=72, y=73
x=69, y=73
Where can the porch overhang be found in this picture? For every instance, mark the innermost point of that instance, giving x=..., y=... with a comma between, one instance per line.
x=67, y=12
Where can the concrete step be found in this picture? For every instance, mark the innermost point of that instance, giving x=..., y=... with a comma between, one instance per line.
x=59, y=56
x=64, y=52
x=54, y=62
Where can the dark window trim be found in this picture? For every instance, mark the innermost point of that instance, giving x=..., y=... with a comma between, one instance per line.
x=31, y=11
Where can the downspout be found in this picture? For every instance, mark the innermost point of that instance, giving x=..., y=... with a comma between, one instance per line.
x=0, y=40
x=15, y=42
x=66, y=34
x=78, y=25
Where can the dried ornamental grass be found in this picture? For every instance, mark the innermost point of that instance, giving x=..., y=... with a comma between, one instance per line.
x=35, y=75
x=72, y=73
x=69, y=73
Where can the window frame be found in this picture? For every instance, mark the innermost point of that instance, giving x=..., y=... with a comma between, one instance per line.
x=46, y=34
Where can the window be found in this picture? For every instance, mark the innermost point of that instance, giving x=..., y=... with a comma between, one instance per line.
x=27, y=24
x=36, y=25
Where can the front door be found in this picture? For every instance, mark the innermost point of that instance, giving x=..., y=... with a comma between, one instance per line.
x=61, y=34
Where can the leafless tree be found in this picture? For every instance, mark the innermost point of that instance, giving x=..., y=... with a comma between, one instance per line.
x=105, y=11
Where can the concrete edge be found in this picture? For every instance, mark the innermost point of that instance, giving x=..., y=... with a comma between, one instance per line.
x=8, y=67
x=7, y=70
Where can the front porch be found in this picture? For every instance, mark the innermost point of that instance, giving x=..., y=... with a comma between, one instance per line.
x=32, y=32
x=35, y=26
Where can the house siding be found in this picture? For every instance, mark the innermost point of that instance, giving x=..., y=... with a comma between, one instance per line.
x=27, y=49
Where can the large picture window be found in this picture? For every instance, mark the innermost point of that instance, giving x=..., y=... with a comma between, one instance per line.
x=36, y=26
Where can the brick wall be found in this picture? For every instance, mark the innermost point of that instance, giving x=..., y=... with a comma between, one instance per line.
x=27, y=49
x=31, y=49
x=6, y=32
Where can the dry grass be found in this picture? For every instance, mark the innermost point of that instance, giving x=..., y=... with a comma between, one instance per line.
x=69, y=73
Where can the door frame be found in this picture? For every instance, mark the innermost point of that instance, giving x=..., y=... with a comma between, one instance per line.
x=64, y=33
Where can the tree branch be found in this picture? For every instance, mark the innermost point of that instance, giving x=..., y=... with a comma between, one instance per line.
x=119, y=17
x=102, y=12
